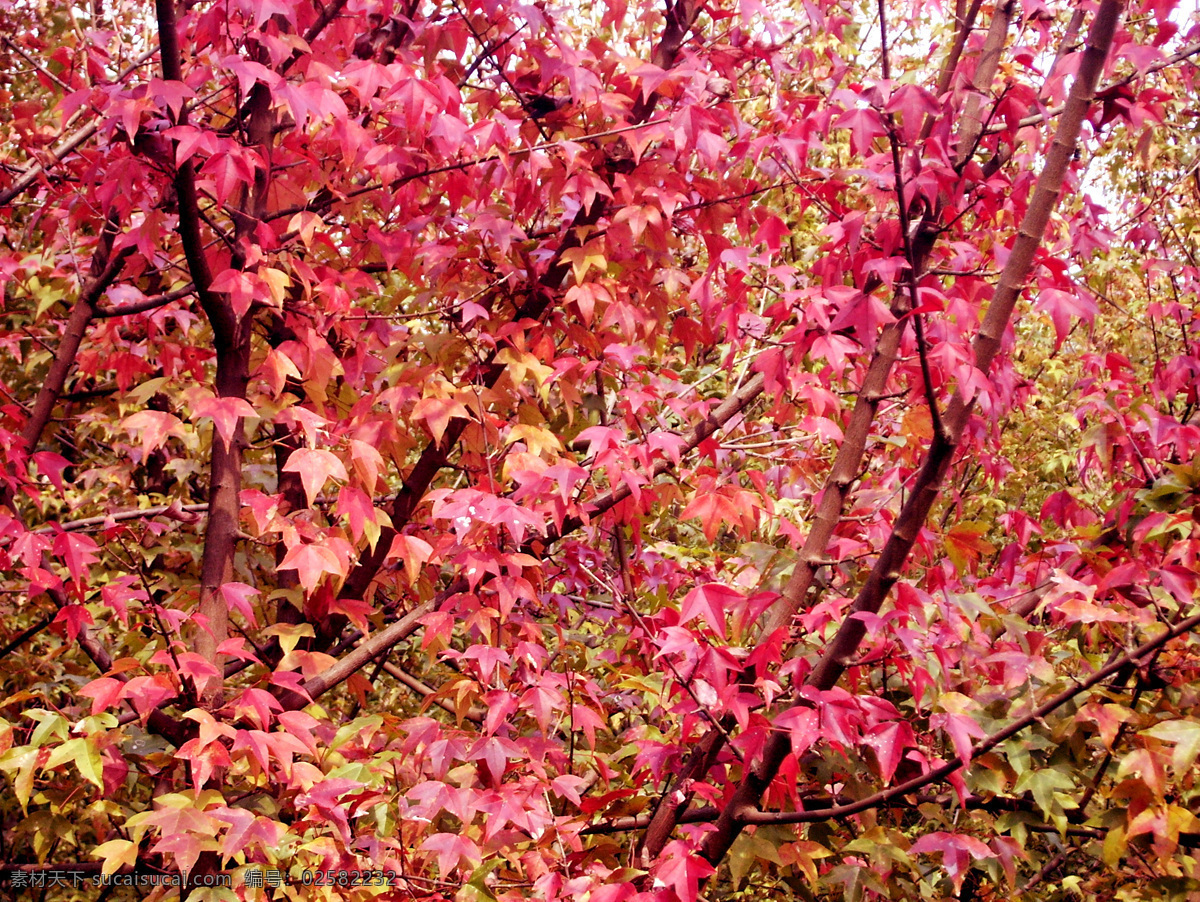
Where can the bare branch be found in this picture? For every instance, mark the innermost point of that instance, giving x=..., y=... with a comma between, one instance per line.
x=150, y=303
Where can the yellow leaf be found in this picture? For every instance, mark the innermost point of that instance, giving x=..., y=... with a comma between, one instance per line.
x=277, y=282
x=414, y=552
x=84, y=755
x=584, y=258
x=117, y=854
x=24, y=762
x=289, y=634
x=965, y=544
x=535, y=438
x=304, y=223
x=522, y=364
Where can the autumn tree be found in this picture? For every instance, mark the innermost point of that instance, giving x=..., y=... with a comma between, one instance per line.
x=620, y=451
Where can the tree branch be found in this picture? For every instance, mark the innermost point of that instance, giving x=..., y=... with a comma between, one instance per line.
x=986, y=345
x=110, y=266
x=150, y=303
x=1145, y=650
x=985, y=71
x=1035, y=118
x=218, y=311
x=848, y=461
x=67, y=144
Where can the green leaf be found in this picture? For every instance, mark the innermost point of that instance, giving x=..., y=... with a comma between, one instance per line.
x=1043, y=783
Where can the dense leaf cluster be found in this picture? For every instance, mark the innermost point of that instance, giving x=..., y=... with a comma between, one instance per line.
x=640, y=450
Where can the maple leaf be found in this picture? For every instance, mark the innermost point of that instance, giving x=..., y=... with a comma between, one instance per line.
x=453, y=850
x=865, y=126
x=890, y=742
x=237, y=596
x=225, y=412
x=104, y=693
x=436, y=414
x=713, y=509
x=171, y=94
x=804, y=726
x=258, y=702
x=51, y=466
x=957, y=850
x=316, y=466
x=958, y=724
x=711, y=602
x=584, y=258
x=682, y=870
x=78, y=551
x=413, y=551
x=311, y=562
x=357, y=507
x=153, y=427
x=116, y=854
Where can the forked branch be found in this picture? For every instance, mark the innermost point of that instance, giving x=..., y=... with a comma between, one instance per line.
x=986, y=345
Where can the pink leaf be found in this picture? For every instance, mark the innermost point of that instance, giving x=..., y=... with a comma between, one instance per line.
x=310, y=562
x=78, y=552
x=225, y=414
x=316, y=466
x=237, y=598
x=104, y=693
x=51, y=466
x=452, y=850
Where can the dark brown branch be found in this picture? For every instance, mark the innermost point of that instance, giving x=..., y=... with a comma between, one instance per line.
x=231, y=340
x=174, y=511
x=680, y=18
x=846, y=464
x=912, y=272
x=218, y=311
x=475, y=715
x=81, y=316
x=25, y=635
x=873, y=391
x=329, y=12
x=150, y=303
x=1048, y=868
x=638, y=822
x=950, y=64
x=106, y=266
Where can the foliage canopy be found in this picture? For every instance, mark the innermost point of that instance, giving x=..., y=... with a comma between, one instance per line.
x=637, y=450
